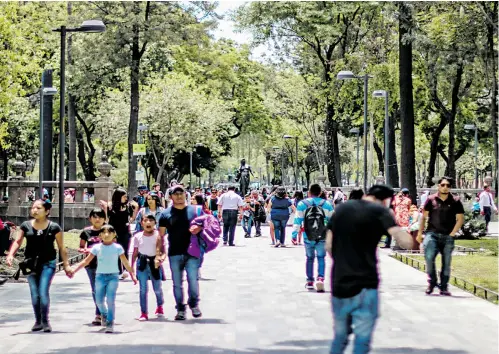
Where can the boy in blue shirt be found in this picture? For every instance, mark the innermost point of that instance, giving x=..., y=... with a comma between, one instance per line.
x=314, y=213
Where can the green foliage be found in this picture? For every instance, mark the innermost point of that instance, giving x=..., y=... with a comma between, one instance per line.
x=472, y=228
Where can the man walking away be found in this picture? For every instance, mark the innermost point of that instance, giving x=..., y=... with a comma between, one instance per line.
x=445, y=214
x=487, y=204
x=313, y=213
x=354, y=231
x=228, y=205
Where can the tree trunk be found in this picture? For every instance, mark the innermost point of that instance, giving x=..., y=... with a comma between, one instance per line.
x=71, y=113
x=332, y=147
x=134, y=109
x=451, y=152
x=408, y=170
x=392, y=162
x=492, y=55
x=379, y=155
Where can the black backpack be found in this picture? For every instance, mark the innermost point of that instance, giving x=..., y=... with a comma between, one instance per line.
x=314, y=221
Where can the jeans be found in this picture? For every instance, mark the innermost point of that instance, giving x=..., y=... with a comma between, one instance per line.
x=106, y=286
x=124, y=241
x=229, y=218
x=39, y=285
x=388, y=241
x=487, y=211
x=143, y=277
x=313, y=248
x=190, y=264
x=280, y=229
x=258, y=226
x=359, y=312
x=247, y=224
x=91, y=272
x=433, y=244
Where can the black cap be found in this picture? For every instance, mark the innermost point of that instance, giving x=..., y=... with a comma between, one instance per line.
x=177, y=188
x=150, y=216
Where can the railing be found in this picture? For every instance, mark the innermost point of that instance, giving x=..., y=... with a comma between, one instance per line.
x=470, y=287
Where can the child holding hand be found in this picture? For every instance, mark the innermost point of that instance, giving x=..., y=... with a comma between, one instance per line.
x=107, y=274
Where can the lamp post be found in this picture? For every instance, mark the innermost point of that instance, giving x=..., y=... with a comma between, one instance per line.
x=276, y=150
x=296, y=157
x=475, y=128
x=45, y=91
x=385, y=94
x=190, y=164
x=356, y=131
x=348, y=75
x=90, y=26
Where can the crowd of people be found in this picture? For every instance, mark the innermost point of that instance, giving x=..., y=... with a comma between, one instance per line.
x=180, y=226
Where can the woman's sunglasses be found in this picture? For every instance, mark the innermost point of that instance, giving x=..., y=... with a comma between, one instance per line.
x=445, y=185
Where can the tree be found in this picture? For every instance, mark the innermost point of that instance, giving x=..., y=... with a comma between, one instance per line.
x=407, y=164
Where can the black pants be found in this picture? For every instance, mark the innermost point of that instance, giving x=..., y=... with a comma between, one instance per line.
x=488, y=213
x=258, y=226
x=229, y=218
x=124, y=241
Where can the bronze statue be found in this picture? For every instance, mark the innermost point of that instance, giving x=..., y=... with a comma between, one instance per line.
x=243, y=177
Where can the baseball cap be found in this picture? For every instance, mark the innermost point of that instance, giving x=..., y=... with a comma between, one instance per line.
x=150, y=216
x=142, y=188
x=404, y=190
x=176, y=188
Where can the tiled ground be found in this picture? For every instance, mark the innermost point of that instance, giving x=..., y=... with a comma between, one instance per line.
x=254, y=301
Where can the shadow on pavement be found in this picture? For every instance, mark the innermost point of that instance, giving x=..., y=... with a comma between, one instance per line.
x=404, y=350
x=141, y=349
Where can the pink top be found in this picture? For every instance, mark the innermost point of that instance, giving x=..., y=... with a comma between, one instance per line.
x=146, y=244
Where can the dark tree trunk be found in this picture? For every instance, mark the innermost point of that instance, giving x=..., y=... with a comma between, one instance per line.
x=332, y=147
x=435, y=136
x=379, y=155
x=134, y=109
x=394, y=172
x=408, y=163
x=451, y=152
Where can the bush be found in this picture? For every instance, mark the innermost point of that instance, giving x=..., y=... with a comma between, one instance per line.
x=472, y=228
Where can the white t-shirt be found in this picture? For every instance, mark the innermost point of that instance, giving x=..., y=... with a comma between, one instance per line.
x=230, y=201
x=146, y=244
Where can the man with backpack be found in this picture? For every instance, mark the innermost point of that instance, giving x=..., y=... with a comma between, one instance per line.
x=314, y=213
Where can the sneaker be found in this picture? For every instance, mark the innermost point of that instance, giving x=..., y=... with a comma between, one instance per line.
x=429, y=289
x=445, y=293
x=36, y=327
x=319, y=285
x=97, y=320
x=196, y=312
x=103, y=321
x=109, y=327
x=247, y=236
x=124, y=275
x=258, y=235
x=294, y=242
x=180, y=316
x=277, y=244
x=309, y=285
x=143, y=317
x=159, y=311
x=283, y=245
x=225, y=243
x=46, y=327
x=273, y=243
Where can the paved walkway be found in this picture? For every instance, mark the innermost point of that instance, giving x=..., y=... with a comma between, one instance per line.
x=253, y=302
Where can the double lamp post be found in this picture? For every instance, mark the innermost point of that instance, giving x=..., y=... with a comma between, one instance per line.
x=90, y=26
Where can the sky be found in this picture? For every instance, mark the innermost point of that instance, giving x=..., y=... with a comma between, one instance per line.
x=226, y=29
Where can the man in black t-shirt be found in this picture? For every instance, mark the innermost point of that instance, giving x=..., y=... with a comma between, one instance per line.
x=445, y=214
x=176, y=221
x=354, y=230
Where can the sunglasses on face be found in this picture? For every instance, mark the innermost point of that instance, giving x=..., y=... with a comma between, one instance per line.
x=445, y=185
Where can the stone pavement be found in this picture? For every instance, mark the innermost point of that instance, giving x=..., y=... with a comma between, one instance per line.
x=254, y=301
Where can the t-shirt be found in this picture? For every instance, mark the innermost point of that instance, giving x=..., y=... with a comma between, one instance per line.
x=357, y=227
x=213, y=203
x=40, y=242
x=177, y=223
x=91, y=237
x=442, y=213
x=107, y=257
x=146, y=244
x=120, y=219
x=280, y=208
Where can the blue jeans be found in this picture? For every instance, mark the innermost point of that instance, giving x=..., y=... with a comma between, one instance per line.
x=190, y=264
x=39, y=285
x=280, y=229
x=143, y=277
x=355, y=314
x=247, y=224
x=106, y=286
x=433, y=244
x=313, y=249
x=91, y=272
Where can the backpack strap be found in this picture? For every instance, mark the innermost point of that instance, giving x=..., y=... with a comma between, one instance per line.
x=322, y=202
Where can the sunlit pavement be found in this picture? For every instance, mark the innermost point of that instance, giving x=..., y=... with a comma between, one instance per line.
x=253, y=301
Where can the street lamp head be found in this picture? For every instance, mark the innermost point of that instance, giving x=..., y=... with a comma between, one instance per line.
x=92, y=26
x=49, y=91
x=469, y=126
x=379, y=93
x=354, y=131
x=346, y=75
x=288, y=137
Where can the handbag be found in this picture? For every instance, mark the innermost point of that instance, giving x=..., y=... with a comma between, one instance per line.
x=33, y=264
